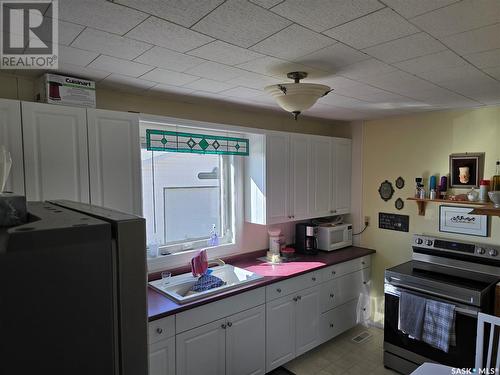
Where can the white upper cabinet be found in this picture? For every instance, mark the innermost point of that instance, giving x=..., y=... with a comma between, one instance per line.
x=299, y=177
x=55, y=152
x=278, y=177
x=341, y=198
x=11, y=138
x=320, y=182
x=115, y=160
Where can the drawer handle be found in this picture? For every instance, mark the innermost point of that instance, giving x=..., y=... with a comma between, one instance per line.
x=333, y=272
x=159, y=330
x=332, y=295
x=229, y=324
x=331, y=325
x=313, y=278
x=278, y=290
x=223, y=326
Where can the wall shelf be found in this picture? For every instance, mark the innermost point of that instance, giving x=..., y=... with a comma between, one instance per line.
x=482, y=209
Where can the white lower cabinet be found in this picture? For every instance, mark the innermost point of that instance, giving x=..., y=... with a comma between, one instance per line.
x=338, y=320
x=162, y=357
x=307, y=315
x=234, y=345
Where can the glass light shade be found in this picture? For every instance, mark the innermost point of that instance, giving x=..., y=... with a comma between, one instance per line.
x=298, y=97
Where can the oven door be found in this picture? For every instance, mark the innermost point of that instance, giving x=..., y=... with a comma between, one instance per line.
x=461, y=355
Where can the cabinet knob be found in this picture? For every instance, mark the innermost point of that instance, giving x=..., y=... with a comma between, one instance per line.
x=332, y=295
x=333, y=272
x=278, y=290
x=331, y=325
x=364, y=282
x=223, y=326
x=293, y=216
x=295, y=299
x=363, y=263
x=313, y=278
x=159, y=330
x=229, y=324
x=364, y=309
x=299, y=297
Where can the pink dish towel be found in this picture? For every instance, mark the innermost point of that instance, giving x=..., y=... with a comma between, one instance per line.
x=199, y=264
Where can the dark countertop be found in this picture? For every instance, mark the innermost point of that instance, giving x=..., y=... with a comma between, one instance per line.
x=159, y=306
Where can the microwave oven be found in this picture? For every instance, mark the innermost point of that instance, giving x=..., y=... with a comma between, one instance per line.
x=334, y=237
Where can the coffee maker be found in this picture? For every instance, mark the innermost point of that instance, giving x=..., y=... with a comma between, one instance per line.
x=306, y=238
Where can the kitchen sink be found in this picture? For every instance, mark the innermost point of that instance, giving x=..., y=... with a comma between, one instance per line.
x=178, y=287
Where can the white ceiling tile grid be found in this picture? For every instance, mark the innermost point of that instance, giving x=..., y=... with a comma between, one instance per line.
x=483, y=39
x=168, y=59
x=168, y=77
x=124, y=83
x=242, y=92
x=75, y=56
x=169, y=35
x=435, y=61
x=240, y=22
x=215, y=71
x=208, y=85
x=413, y=8
x=266, y=3
x=182, y=12
x=110, y=44
x=293, y=42
x=82, y=72
x=364, y=69
x=486, y=59
x=119, y=66
x=332, y=58
x=225, y=53
x=168, y=90
x=100, y=14
x=320, y=15
x=375, y=28
x=68, y=32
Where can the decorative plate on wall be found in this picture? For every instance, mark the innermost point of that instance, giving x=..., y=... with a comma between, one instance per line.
x=399, y=204
x=386, y=190
x=400, y=182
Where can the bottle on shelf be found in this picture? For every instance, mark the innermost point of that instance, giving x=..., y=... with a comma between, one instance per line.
x=495, y=180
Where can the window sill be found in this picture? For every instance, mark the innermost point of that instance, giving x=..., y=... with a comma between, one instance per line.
x=164, y=262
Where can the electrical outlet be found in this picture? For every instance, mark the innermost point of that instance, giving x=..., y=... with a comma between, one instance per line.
x=367, y=220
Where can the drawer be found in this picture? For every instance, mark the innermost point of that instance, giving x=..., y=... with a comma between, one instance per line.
x=332, y=323
x=210, y=312
x=161, y=329
x=345, y=288
x=344, y=268
x=292, y=285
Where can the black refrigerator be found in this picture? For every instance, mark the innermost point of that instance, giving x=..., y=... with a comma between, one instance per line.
x=73, y=285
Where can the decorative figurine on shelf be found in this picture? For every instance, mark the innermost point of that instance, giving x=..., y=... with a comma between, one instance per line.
x=464, y=175
x=473, y=195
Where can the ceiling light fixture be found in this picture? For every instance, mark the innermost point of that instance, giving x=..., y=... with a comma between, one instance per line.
x=297, y=97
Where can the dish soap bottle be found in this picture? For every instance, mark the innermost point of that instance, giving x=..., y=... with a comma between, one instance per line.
x=495, y=181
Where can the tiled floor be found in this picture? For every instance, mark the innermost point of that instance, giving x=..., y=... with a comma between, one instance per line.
x=343, y=356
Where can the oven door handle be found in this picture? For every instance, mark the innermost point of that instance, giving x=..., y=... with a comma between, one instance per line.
x=425, y=291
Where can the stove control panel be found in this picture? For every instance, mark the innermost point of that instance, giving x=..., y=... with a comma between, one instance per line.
x=446, y=245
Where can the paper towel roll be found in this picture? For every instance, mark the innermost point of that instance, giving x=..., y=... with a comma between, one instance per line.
x=5, y=165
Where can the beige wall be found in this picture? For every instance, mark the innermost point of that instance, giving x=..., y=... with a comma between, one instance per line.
x=412, y=146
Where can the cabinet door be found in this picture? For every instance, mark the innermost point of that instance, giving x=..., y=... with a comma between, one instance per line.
x=277, y=176
x=115, y=160
x=342, y=176
x=55, y=152
x=246, y=342
x=299, y=177
x=162, y=357
x=280, y=332
x=351, y=286
x=11, y=138
x=320, y=188
x=202, y=350
x=307, y=320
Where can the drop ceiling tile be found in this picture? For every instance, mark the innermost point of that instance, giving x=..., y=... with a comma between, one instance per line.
x=368, y=93
x=208, y=85
x=365, y=68
x=168, y=35
x=68, y=32
x=435, y=61
x=225, y=53
x=321, y=15
x=119, y=66
x=462, y=72
x=168, y=77
x=100, y=14
x=266, y=3
x=332, y=58
x=242, y=92
x=216, y=71
x=273, y=66
x=442, y=97
x=486, y=59
x=412, y=8
x=485, y=90
x=82, y=72
x=474, y=41
x=459, y=17
x=240, y=22
x=124, y=83
x=110, y=44
x=162, y=89
x=182, y=12
x=254, y=80
x=494, y=72
x=168, y=59
x=335, y=82
x=399, y=82
x=75, y=56
x=405, y=48
x=293, y=42
x=341, y=101
x=375, y=28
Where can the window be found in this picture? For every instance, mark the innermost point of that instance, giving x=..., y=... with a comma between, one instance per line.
x=185, y=196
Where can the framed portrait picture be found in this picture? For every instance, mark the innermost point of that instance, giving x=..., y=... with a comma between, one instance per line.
x=455, y=219
x=466, y=170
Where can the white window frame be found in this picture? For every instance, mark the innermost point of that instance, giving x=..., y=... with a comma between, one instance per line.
x=183, y=258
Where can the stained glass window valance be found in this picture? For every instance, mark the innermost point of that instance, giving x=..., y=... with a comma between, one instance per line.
x=163, y=140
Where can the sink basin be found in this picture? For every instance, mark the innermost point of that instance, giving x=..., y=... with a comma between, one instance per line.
x=178, y=287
